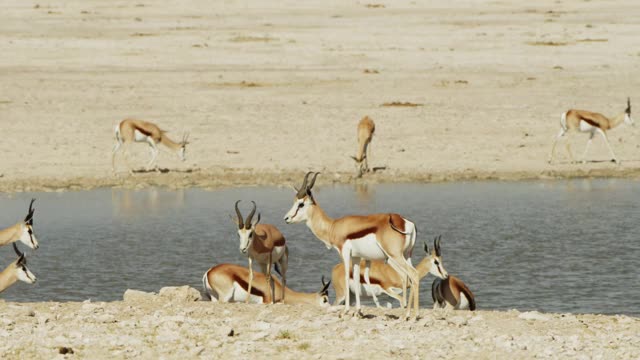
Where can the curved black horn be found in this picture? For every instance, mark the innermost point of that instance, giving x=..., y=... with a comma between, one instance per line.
x=247, y=223
x=313, y=180
x=436, y=244
x=15, y=248
x=325, y=286
x=240, y=223
x=426, y=247
x=629, y=105
x=29, y=217
x=302, y=192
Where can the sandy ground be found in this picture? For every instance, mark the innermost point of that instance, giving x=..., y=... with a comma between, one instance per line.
x=152, y=327
x=269, y=90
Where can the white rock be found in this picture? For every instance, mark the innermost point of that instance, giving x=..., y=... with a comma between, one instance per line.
x=180, y=293
x=261, y=326
x=138, y=296
x=533, y=315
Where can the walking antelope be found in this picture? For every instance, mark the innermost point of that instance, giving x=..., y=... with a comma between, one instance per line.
x=265, y=244
x=130, y=131
x=371, y=237
x=230, y=283
x=366, y=128
x=384, y=279
x=22, y=231
x=17, y=270
x=592, y=123
x=452, y=293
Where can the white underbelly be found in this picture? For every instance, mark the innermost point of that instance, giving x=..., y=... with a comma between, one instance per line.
x=240, y=295
x=263, y=258
x=367, y=248
x=585, y=126
x=365, y=290
x=139, y=137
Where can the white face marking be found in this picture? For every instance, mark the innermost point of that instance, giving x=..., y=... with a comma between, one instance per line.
x=298, y=211
x=628, y=119
x=24, y=274
x=437, y=268
x=181, y=153
x=28, y=237
x=246, y=239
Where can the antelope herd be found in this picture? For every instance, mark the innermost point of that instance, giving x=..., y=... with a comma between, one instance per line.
x=23, y=232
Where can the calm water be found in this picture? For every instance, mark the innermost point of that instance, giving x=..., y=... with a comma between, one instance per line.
x=565, y=246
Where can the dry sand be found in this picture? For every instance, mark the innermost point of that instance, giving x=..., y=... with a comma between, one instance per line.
x=270, y=90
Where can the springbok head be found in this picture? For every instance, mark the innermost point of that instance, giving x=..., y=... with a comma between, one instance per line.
x=27, y=235
x=627, y=114
x=183, y=146
x=246, y=228
x=303, y=201
x=22, y=273
x=435, y=257
x=323, y=294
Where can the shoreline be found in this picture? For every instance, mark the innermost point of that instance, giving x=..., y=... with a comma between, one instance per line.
x=173, y=324
x=215, y=179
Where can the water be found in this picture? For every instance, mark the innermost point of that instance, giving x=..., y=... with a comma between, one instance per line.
x=562, y=246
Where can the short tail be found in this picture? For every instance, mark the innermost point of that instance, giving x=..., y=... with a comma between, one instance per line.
x=207, y=289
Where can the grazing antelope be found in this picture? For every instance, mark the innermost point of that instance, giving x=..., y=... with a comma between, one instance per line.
x=366, y=128
x=22, y=231
x=17, y=270
x=265, y=244
x=371, y=237
x=592, y=123
x=452, y=293
x=384, y=279
x=230, y=283
x=130, y=131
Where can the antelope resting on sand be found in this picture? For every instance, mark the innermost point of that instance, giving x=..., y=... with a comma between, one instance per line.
x=384, y=279
x=17, y=270
x=452, y=293
x=22, y=231
x=592, y=123
x=265, y=244
x=366, y=128
x=371, y=237
x=230, y=283
x=130, y=131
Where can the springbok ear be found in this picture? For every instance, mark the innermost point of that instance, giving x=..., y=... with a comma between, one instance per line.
x=257, y=221
x=426, y=248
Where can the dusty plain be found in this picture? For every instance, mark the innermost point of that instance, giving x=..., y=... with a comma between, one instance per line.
x=269, y=90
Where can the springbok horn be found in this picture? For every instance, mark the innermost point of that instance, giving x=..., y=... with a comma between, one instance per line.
x=313, y=180
x=302, y=192
x=325, y=286
x=436, y=244
x=629, y=105
x=240, y=223
x=29, y=217
x=247, y=223
x=426, y=247
x=20, y=254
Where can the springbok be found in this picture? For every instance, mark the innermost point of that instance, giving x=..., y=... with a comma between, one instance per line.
x=266, y=245
x=17, y=270
x=230, y=283
x=384, y=279
x=366, y=128
x=452, y=293
x=592, y=123
x=371, y=237
x=22, y=231
x=130, y=131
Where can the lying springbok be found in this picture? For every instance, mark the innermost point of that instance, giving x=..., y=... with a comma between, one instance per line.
x=366, y=128
x=452, y=293
x=371, y=237
x=264, y=244
x=130, y=131
x=583, y=121
x=384, y=279
x=17, y=270
x=22, y=231
x=230, y=283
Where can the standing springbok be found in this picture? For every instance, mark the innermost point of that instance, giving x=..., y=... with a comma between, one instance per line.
x=230, y=283
x=371, y=237
x=452, y=293
x=592, y=123
x=22, y=231
x=366, y=128
x=130, y=131
x=266, y=245
x=17, y=270
x=384, y=279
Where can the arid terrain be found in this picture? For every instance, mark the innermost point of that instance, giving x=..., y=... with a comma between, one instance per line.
x=268, y=90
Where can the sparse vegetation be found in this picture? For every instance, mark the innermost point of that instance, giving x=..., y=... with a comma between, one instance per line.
x=547, y=43
x=284, y=335
x=401, y=104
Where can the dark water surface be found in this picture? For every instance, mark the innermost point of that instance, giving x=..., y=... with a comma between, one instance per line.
x=562, y=246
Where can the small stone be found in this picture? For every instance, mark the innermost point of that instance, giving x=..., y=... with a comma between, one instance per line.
x=65, y=350
x=137, y=296
x=180, y=293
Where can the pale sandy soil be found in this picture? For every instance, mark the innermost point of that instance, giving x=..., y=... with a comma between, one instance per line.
x=152, y=327
x=269, y=90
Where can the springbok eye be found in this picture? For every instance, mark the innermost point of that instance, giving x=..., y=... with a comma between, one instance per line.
x=300, y=205
x=436, y=262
